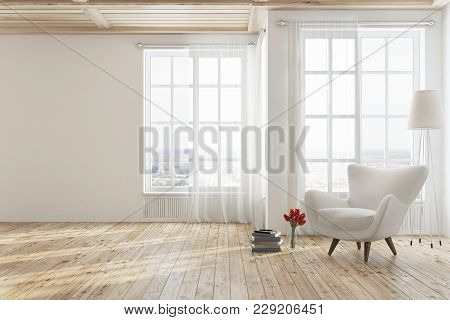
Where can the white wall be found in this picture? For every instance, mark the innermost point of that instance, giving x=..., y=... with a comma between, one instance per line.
x=69, y=130
x=278, y=80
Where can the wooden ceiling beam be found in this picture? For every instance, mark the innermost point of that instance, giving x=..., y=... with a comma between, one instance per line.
x=123, y=30
x=270, y=3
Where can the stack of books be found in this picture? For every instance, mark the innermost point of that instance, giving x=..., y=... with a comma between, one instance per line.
x=264, y=240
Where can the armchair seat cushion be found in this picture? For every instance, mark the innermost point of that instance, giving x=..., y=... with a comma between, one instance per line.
x=355, y=219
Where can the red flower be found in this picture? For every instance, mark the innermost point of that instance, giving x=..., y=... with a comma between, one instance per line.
x=295, y=217
x=301, y=220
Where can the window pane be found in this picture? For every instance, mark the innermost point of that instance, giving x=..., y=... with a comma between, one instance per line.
x=230, y=142
x=182, y=70
x=401, y=54
x=160, y=70
x=344, y=94
x=161, y=175
x=183, y=150
x=182, y=174
x=208, y=104
x=343, y=54
x=373, y=94
x=208, y=70
x=373, y=139
x=399, y=139
x=183, y=105
x=208, y=137
x=373, y=54
x=340, y=177
x=400, y=164
x=400, y=93
x=160, y=143
x=230, y=71
x=316, y=94
x=343, y=138
x=230, y=104
x=316, y=139
x=316, y=54
x=377, y=164
x=316, y=177
x=160, y=104
x=231, y=174
x=208, y=174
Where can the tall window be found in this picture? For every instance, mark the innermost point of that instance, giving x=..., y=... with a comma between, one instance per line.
x=358, y=92
x=193, y=110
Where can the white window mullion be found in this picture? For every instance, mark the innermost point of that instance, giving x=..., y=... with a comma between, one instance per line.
x=219, y=123
x=172, y=144
x=386, y=104
x=195, y=125
x=329, y=117
x=358, y=101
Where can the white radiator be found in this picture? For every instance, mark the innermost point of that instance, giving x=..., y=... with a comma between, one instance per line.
x=166, y=208
x=179, y=208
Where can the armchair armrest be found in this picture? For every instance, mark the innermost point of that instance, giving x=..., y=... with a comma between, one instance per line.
x=389, y=217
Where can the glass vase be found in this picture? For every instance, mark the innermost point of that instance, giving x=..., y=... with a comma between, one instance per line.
x=292, y=236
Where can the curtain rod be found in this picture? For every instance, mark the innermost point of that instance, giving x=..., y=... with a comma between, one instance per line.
x=284, y=23
x=152, y=46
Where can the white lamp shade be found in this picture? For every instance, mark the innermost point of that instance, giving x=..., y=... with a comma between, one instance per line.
x=426, y=111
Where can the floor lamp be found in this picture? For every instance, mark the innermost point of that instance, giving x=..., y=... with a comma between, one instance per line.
x=426, y=115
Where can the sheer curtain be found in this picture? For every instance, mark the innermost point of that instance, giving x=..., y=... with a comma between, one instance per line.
x=310, y=79
x=225, y=188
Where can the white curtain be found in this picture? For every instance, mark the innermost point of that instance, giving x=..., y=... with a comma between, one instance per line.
x=299, y=95
x=446, y=103
x=238, y=195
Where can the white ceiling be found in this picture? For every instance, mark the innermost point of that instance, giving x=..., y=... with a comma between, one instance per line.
x=138, y=16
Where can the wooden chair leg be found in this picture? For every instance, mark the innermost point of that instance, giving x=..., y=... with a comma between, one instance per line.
x=333, y=246
x=391, y=245
x=359, y=245
x=366, y=250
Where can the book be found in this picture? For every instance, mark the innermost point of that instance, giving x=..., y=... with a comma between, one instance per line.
x=266, y=233
x=265, y=239
x=267, y=244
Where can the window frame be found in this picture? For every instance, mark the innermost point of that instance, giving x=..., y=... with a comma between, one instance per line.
x=418, y=35
x=181, y=51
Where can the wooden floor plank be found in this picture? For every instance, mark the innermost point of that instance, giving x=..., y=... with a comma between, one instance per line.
x=253, y=279
x=238, y=283
x=222, y=284
x=361, y=277
x=304, y=286
x=319, y=284
x=151, y=263
x=330, y=278
x=205, y=287
x=179, y=237
x=358, y=263
x=342, y=274
x=192, y=275
x=175, y=280
x=391, y=277
x=270, y=283
x=206, y=261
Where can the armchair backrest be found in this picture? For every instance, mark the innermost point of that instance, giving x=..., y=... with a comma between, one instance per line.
x=368, y=185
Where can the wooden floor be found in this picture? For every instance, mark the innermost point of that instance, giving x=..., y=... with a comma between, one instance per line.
x=206, y=261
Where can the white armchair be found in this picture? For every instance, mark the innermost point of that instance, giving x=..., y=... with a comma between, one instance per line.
x=377, y=203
